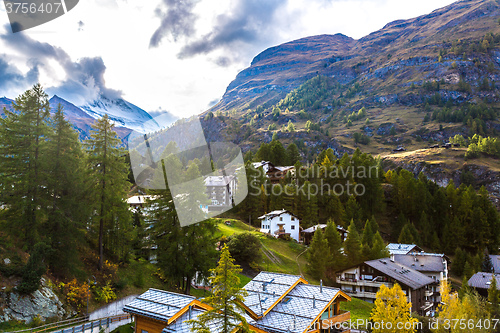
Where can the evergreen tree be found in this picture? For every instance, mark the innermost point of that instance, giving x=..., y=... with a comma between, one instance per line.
x=493, y=298
x=65, y=187
x=379, y=249
x=406, y=236
x=367, y=241
x=22, y=136
x=183, y=252
x=468, y=270
x=225, y=301
x=317, y=253
x=486, y=265
x=352, y=245
x=108, y=175
x=457, y=266
x=293, y=154
x=334, y=242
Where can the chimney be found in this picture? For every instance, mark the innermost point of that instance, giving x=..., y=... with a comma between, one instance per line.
x=294, y=322
x=320, y=286
x=314, y=301
x=190, y=311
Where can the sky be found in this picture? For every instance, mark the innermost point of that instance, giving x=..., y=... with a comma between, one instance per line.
x=173, y=55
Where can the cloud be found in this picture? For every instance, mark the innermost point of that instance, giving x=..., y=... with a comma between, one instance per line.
x=244, y=29
x=84, y=79
x=177, y=20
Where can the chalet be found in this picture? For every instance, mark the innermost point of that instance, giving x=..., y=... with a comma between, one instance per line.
x=274, y=173
x=280, y=223
x=364, y=281
x=482, y=281
x=432, y=265
x=308, y=233
x=220, y=191
x=138, y=201
x=274, y=303
x=395, y=248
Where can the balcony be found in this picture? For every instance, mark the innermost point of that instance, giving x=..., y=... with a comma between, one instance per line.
x=340, y=318
x=359, y=282
x=429, y=293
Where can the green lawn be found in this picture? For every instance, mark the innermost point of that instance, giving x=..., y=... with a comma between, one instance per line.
x=359, y=309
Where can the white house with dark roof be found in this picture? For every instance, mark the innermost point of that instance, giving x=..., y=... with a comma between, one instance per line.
x=279, y=223
x=307, y=234
x=275, y=303
x=396, y=248
x=220, y=191
x=364, y=281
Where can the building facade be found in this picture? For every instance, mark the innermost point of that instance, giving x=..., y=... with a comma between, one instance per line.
x=279, y=223
x=364, y=281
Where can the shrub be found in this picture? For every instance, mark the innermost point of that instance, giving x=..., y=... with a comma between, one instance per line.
x=244, y=247
x=105, y=294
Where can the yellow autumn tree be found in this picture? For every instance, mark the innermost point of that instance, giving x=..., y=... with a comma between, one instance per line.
x=468, y=314
x=391, y=313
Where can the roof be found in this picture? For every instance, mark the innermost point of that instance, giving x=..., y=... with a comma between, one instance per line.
x=158, y=304
x=482, y=280
x=322, y=226
x=266, y=288
x=180, y=325
x=395, y=248
x=257, y=165
x=285, y=168
x=495, y=260
x=403, y=274
x=275, y=213
x=298, y=309
x=219, y=180
x=422, y=262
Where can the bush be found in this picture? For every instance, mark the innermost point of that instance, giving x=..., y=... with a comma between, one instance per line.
x=245, y=247
x=105, y=294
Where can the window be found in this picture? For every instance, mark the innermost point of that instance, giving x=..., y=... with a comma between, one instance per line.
x=293, y=227
x=293, y=218
x=143, y=331
x=281, y=219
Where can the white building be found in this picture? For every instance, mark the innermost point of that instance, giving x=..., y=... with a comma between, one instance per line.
x=279, y=223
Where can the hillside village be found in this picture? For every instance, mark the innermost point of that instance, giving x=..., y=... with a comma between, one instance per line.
x=359, y=185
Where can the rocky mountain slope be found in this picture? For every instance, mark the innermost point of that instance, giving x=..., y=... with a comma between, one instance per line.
x=384, y=61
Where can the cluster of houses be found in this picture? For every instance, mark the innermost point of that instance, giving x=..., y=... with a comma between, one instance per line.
x=418, y=273
x=481, y=281
x=274, y=303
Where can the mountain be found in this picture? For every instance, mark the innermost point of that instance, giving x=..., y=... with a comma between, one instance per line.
x=126, y=116
x=383, y=54
x=123, y=113
x=417, y=81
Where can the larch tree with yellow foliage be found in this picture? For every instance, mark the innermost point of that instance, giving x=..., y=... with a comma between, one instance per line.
x=466, y=314
x=393, y=310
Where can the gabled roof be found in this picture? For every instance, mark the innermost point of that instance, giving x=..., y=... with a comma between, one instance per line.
x=298, y=309
x=139, y=199
x=158, y=304
x=275, y=213
x=395, y=248
x=495, y=260
x=422, y=262
x=403, y=274
x=482, y=280
x=266, y=289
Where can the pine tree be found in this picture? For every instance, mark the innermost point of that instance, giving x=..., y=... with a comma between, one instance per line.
x=317, y=255
x=352, y=245
x=379, y=249
x=23, y=134
x=293, y=154
x=457, y=266
x=108, y=175
x=406, y=236
x=486, y=265
x=65, y=187
x=334, y=242
x=226, y=299
x=493, y=298
x=367, y=241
